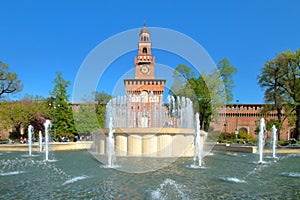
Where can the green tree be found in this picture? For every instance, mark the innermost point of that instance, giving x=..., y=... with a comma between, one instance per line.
x=280, y=78
x=85, y=119
x=207, y=91
x=19, y=114
x=101, y=99
x=9, y=82
x=226, y=72
x=61, y=108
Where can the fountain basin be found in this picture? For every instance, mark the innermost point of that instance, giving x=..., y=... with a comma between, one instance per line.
x=235, y=148
x=54, y=146
x=148, y=142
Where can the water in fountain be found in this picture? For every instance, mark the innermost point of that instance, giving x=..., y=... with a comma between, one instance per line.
x=134, y=114
x=261, y=139
x=30, y=132
x=132, y=111
x=68, y=179
x=40, y=141
x=111, y=156
x=182, y=114
x=198, y=144
x=274, y=130
x=47, y=125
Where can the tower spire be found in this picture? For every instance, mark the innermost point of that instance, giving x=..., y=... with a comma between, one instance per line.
x=144, y=22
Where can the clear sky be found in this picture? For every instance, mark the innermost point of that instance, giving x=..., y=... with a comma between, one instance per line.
x=39, y=38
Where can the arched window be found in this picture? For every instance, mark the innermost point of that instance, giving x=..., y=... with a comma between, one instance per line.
x=144, y=50
x=144, y=38
x=243, y=129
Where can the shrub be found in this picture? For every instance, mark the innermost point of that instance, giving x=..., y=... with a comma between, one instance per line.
x=283, y=142
x=226, y=137
x=14, y=135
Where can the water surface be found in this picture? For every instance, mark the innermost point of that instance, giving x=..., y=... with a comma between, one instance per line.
x=78, y=175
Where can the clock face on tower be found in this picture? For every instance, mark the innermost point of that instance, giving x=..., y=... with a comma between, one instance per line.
x=144, y=69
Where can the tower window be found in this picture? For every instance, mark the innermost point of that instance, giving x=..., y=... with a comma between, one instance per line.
x=144, y=50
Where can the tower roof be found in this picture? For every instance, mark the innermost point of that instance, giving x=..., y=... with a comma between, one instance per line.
x=144, y=29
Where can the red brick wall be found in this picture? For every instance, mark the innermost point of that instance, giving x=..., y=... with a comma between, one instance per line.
x=246, y=117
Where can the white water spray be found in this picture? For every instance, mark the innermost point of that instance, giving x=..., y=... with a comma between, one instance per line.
x=110, y=147
x=198, y=143
x=262, y=128
x=177, y=115
x=47, y=125
x=274, y=130
x=30, y=132
x=40, y=141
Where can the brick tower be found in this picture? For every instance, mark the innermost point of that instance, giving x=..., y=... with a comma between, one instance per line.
x=144, y=92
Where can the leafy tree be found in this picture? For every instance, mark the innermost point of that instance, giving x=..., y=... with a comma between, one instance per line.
x=226, y=72
x=204, y=102
x=102, y=99
x=207, y=91
x=19, y=114
x=60, y=107
x=9, y=82
x=281, y=79
x=85, y=119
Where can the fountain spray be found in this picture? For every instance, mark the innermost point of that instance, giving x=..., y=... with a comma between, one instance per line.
x=40, y=141
x=47, y=125
x=110, y=147
x=198, y=143
x=274, y=130
x=30, y=131
x=262, y=127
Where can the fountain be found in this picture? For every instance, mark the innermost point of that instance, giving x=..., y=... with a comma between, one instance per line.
x=197, y=143
x=27, y=178
x=47, y=125
x=110, y=145
x=40, y=141
x=141, y=128
x=261, y=139
x=274, y=130
x=199, y=139
x=30, y=132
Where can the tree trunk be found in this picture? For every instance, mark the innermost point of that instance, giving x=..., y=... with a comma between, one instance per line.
x=297, y=130
x=202, y=119
x=18, y=129
x=279, y=120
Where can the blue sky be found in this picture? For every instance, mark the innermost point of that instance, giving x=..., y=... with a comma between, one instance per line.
x=39, y=38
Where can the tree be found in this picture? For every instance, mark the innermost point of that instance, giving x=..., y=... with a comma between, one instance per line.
x=9, y=82
x=281, y=79
x=271, y=78
x=63, y=123
x=207, y=91
x=85, y=119
x=102, y=99
x=19, y=114
x=226, y=72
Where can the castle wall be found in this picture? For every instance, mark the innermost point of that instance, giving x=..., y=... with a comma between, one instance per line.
x=246, y=117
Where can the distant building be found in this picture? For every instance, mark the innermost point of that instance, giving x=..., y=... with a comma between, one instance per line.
x=144, y=92
x=245, y=117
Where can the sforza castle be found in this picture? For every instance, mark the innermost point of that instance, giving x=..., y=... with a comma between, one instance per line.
x=244, y=117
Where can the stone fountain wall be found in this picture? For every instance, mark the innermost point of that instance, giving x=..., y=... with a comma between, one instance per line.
x=148, y=142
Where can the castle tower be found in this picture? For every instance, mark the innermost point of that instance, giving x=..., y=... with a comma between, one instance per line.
x=144, y=92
